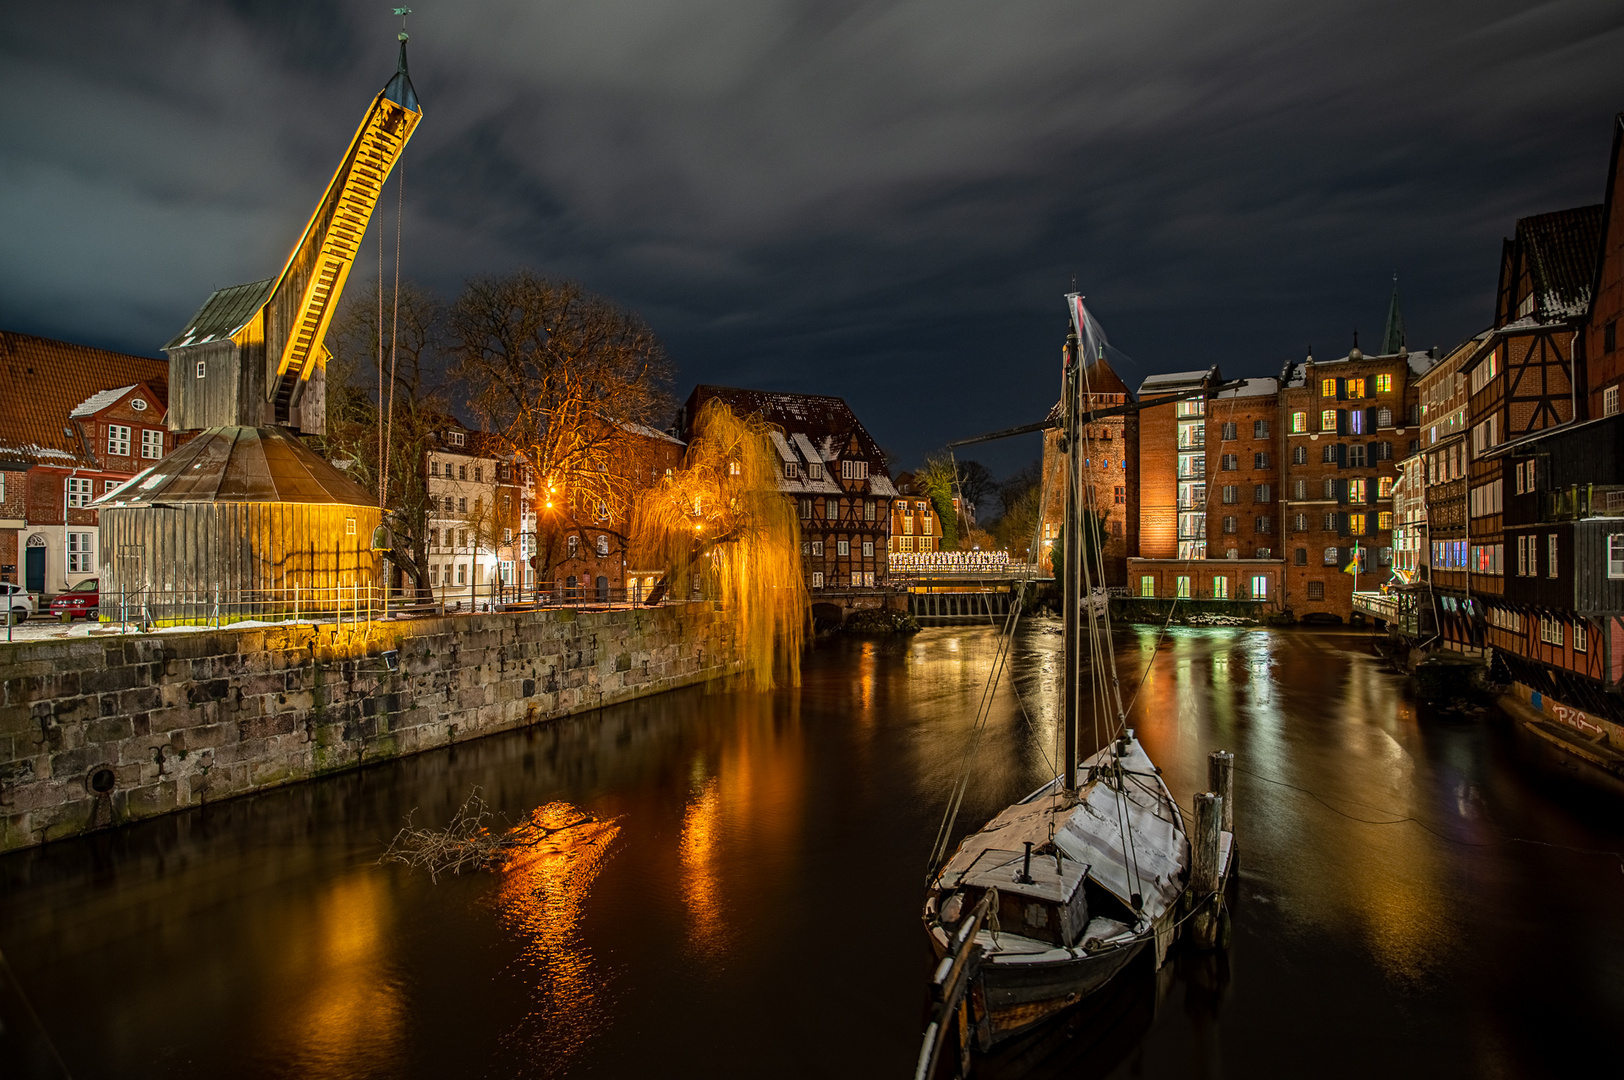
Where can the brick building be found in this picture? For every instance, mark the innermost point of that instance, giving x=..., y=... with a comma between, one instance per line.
x=915, y=524
x=1110, y=488
x=1602, y=359
x=835, y=472
x=77, y=423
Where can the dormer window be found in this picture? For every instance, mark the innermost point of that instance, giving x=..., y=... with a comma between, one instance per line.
x=456, y=438
x=853, y=470
x=792, y=469
x=815, y=470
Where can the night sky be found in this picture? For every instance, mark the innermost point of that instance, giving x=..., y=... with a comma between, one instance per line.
x=880, y=200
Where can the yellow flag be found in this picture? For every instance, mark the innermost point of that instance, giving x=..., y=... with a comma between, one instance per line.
x=1351, y=568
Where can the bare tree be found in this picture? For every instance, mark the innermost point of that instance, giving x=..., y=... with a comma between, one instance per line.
x=560, y=376
x=383, y=427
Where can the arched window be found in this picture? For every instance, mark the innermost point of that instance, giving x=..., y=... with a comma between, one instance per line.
x=603, y=545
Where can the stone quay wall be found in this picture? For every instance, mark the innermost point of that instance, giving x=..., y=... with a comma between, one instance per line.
x=110, y=729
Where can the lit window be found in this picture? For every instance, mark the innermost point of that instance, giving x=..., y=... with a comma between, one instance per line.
x=1332, y=556
x=1299, y=423
x=1147, y=584
x=1184, y=586
x=1260, y=586
x=1384, y=487
x=1328, y=420
x=152, y=443
x=1356, y=491
x=118, y=440
x=1220, y=588
x=349, y=526
x=1384, y=383
x=1327, y=388
x=1384, y=521
x=1356, y=524
x=1356, y=421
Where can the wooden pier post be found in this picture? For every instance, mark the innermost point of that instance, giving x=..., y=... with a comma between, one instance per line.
x=1205, y=869
x=1221, y=779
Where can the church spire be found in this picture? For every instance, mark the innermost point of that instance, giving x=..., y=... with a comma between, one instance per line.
x=1393, y=339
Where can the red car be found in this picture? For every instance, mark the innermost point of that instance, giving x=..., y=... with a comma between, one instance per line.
x=82, y=599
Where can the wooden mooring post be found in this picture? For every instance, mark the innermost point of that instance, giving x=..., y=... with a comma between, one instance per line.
x=1206, y=870
x=1221, y=781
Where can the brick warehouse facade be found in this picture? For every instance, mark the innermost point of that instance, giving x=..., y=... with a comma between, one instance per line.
x=1110, y=474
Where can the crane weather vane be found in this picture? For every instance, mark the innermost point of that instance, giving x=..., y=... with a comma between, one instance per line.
x=403, y=12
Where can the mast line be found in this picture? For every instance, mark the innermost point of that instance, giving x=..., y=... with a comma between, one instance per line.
x=1212, y=390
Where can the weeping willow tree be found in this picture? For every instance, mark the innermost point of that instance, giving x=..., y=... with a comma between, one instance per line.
x=720, y=520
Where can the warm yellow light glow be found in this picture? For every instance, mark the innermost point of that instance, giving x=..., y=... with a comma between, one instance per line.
x=750, y=557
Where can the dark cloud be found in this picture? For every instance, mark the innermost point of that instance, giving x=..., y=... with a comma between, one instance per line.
x=879, y=200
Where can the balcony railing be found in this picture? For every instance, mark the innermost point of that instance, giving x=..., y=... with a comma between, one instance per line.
x=1575, y=503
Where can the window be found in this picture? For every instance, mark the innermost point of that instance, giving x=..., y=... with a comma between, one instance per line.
x=1550, y=555
x=817, y=579
x=1220, y=588
x=831, y=509
x=1384, y=384
x=1356, y=490
x=1232, y=553
x=1609, y=396
x=868, y=549
x=1615, y=555
x=1316, y=590
x=462, y=506
x=603, y=545
x=869, y=509
x=1230, y=524
x=573, y=544
x=1263, y=553
x=462, y=472
x=79, y=553
x=1384, y=521
x=118, y=440
x=1229, y=462
x=843, y=548
x=732, y=468
x=1356, y=456
x=814, y=469
x=1121, y=495
x=1264, y=525
x=349, y=526
x=1147, y=585
x=1299, y=489
x=1184, y=586
x=1299, y=523
x=1550, y=630
x=1327, y=419
x=1299, y=455
x=1485, y=435
x=806, y=509
x=1328, y=388
x=462, y=573
x=1528, y=555
x=1384, y=487
x=1330, y=523
x=1262, y=493
x=817, y=548
x=1609, y=336
x=1260, y=461
x=479, y=505
x=1384, y=451
x=152, y=443
x=462, y=538
x=107, y=485
x=1260, y=586
x=1356, y=524
x=1229, y=433
x=1384, y=418
x=1332, y=556
x=1356, y=422
x=479, y=474
x=1299, y=423
x=1581, y=636
x=1356, y=389
x=455, y=438
x=792, y=469
x=1232, y=493
x=79, y=491
x=1260, y=429
x=1300, y=556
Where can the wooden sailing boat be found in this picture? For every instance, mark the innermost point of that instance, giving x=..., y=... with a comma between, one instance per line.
x=1054, y=896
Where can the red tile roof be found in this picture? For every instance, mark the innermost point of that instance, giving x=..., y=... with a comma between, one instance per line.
x=41, y=381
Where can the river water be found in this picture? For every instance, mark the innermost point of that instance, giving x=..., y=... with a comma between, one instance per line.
x=736, y=885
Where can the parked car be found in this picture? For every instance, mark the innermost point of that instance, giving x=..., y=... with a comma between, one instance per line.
x=19, y=604
x=82, y=599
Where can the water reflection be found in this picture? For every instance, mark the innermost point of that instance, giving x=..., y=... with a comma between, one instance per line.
x=543, y=892
x=344, y=1000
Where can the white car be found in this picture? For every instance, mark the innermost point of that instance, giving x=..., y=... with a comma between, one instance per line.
x=18, y=602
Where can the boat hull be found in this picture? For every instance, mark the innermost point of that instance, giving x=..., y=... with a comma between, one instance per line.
x=1009, y=999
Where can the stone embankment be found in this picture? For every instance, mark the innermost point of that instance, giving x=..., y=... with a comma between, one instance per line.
x=111, y=729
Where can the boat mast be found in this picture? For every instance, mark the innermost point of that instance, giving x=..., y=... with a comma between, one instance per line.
x=1071, y=585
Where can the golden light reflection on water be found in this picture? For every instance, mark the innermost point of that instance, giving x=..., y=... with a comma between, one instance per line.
x=346, y=1005
x=543, y=891
x=1381, y=882
x=743, y=814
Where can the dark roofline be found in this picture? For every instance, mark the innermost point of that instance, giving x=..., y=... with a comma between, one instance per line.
x=1608, y=208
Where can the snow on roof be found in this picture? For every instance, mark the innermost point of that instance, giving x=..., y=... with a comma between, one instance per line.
x=1254, y=388
x=882, y=487
x=781, y=445
x=95, y=403
x=1172, y=380
x=651, y=433
x=804, y=445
